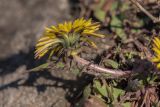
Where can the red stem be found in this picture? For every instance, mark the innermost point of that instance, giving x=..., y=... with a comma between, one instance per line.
x=99, y=69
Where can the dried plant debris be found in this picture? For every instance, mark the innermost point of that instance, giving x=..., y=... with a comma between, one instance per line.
x=125, y=71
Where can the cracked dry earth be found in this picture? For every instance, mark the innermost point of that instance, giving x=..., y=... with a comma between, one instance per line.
x=21, y=23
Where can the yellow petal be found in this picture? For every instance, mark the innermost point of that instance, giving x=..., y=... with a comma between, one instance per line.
x=95, y=35
x=157, y=42
x=58, y=37
x=155, y=59
x=54, y=28
x=158, y=66
x=77, y=30
x=46, y=46
x=92, y=44
x=44, y=42
x=156, y=50
x=43, y=39
x=41, y=54
x=88, y=23
x=69, y=26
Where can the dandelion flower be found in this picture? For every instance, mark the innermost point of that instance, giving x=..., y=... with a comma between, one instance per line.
x=156, y=49
x=65, y=39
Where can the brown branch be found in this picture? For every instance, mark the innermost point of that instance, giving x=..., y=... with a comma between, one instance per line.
x=154, y=19
x=99, y=69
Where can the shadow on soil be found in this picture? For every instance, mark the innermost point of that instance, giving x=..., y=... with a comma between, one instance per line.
x=9, y=65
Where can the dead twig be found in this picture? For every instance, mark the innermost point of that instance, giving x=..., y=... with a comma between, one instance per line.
x=144, y=99
x=154, y=19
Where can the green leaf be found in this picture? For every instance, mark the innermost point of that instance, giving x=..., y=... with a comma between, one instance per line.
x=109, y=93
x=111, y=63
x=87, y=92
x=75, y=70
x=117, y=92
x=60, y=65
x=127, y=104
x=41, y=67
x=117, y=27
x=115, y=22
x=98, y=12
x=114, y=6
x=125, y=6
x=100, y=88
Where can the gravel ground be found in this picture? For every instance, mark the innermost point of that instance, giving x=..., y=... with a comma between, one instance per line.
x=21, y=23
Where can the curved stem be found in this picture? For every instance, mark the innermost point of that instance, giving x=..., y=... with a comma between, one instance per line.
x=99, y=69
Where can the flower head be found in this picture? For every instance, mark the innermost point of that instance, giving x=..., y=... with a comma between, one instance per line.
x=156, y=49
x=65, y=39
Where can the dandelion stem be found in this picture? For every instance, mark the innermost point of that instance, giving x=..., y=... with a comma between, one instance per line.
x=99, y=69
